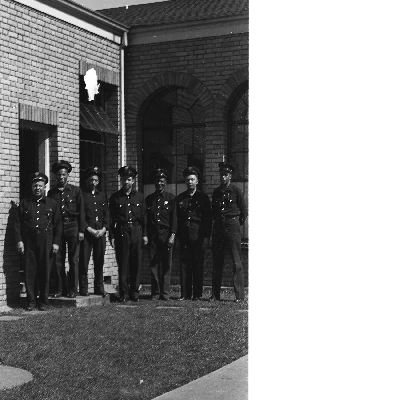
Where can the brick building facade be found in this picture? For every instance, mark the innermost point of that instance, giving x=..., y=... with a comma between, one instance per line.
x=174, y=84
x=48, y=47
x=181, y=55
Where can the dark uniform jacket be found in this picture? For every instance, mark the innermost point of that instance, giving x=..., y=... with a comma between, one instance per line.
x=96, y=210
x=38, y=216
x=124, y=209
x=161, y=211
x=228, y=204
x=70, y=203
x=194, y=209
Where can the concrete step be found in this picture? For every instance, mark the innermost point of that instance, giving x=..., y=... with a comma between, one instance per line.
x=80, y=301
x=109, y=288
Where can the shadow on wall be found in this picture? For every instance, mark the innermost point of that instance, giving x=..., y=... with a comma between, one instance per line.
x=12, y=261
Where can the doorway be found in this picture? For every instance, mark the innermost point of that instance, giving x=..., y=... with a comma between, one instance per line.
x=33, y=153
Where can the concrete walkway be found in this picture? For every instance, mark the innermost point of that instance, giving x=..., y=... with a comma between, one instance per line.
x=11, y=377
x=227, y=383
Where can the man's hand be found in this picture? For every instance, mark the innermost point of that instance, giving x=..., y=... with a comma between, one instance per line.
x=55, y=248
x=112, y=242
x=81, y=235
x=145, y=240
x=20, y=247
x=101, y=232
x=171, y=240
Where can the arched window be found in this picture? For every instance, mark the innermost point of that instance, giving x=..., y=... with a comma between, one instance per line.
x=238, y=142
x=173, y=136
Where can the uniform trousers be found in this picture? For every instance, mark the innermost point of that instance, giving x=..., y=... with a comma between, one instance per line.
x=128, y=251
x=69, y=237
x=226, y=235
x=37, y=261
x=160, y=263
x=192, y=261
x=97, y=246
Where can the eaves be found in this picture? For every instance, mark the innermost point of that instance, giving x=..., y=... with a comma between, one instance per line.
x=139, y=35
x=82, y=17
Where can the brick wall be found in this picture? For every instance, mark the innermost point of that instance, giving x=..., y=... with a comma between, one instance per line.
x=39, y=66
x=211, y=68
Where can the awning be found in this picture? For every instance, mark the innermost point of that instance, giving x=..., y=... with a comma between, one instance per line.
x=95, y=119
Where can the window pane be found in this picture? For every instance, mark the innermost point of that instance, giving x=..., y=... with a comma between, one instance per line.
x=156, y=140
x=173, y=133
x=181, y=164
x=240, y=110
x=92, y=153
x=238, y=139
x=199, y=141
x=183, y=140
x=240, y=162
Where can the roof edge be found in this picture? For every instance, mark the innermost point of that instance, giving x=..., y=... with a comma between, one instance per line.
x=87, y=15
x=221, y=26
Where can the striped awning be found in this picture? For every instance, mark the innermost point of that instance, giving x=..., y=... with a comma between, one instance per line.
x=95, y=119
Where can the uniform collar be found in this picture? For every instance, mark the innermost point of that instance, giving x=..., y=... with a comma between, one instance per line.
x=123, y=193
x=95, y=191
x=191, y=195
x=66, y=187
x=41, y=200
x=229, y=188
x=161, y=194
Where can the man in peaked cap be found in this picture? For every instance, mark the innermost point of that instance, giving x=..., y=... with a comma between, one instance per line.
x=96, y=226
x=128, y=225
x=70, y=203
x=38, y=234
x=194, y=230
x=162, y=226
x=229, y=213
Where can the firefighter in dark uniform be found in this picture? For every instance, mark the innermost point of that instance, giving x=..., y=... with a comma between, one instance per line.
x=162, y=227
x=194, y=230
x=96, y=215
x=229, y=213
x=128, y=235
x=70, y=202
x=38, y=235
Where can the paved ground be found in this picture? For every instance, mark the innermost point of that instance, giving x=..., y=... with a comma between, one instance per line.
x=10, y=377
x=227, y=383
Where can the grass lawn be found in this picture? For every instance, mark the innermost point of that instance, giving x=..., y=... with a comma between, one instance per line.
x=116, y=352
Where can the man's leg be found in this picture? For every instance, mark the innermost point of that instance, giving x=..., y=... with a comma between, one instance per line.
x=155, y=260
x=84, y=258
x=166, y=267
x=30, y=272
x=218, y=253
x=59, y=269
x=135, y=261
x=186, y=270
x=233, y=238
x=198, y=265
x=122, y=244
x=99, y=248
x=46, y=257
x=73, y=257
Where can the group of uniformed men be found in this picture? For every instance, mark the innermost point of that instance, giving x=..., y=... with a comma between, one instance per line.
x=75, y=220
